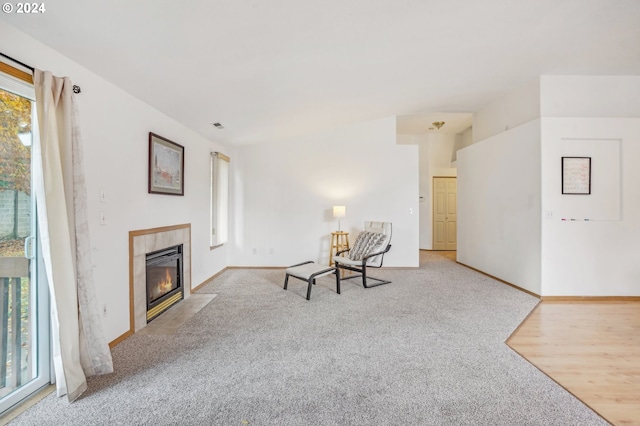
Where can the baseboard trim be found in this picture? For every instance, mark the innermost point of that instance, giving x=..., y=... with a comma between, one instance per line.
x=587, y=299
x=120, y=339
x=257, y=267
x=384, y=268
x=568, y=299
x=397, y=268
x=501, y=280
x=129, y=333
x=22, y=406
x=212, y=277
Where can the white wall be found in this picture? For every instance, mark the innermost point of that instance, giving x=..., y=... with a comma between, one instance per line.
x=463, y=140
x=406, y=139
x=598, y=257
x=284, y=193
x=517, y=107
x=115, y=128
x=595, y=116
x=436, y=153
x=499, y=206
x=589, y=96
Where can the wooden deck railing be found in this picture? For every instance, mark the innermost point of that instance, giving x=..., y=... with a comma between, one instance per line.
x=13, y=271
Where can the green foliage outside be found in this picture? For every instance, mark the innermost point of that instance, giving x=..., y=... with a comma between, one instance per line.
x=15, y=174
x=25, y=341
x=15, y=158
x=12, y=248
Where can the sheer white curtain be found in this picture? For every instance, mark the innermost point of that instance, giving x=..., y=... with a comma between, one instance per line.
x=79, y=347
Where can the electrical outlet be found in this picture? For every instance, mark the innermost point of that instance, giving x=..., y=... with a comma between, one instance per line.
x=103, y=195
x=103, y=219
x=104, y=310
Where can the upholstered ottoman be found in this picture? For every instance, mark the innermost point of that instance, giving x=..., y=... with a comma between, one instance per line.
x=309, y=271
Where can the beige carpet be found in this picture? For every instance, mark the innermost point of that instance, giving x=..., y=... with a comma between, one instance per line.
x=427, y=349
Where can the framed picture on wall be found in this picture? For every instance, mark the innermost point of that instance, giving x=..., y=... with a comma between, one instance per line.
x=576, y=175
x=166, y=166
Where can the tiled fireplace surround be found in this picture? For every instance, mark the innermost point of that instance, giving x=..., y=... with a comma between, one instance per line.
x=144, y=241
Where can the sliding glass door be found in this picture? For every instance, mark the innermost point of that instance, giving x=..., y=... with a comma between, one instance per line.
x=24, y=303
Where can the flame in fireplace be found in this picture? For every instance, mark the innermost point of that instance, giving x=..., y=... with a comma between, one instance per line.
x=164, y=286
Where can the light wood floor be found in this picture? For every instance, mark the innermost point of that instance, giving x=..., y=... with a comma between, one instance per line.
x=592, y=349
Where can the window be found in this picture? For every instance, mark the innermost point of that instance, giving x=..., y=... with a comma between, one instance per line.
x=24, y=306
x=219, y=199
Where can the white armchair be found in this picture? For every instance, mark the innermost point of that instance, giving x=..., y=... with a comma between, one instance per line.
x=368, y=251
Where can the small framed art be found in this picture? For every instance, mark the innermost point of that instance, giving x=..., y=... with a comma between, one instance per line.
x=576, y=175
x=166, y=166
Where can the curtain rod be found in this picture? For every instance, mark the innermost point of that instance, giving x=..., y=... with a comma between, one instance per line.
x=76, y=89
x=17, y=61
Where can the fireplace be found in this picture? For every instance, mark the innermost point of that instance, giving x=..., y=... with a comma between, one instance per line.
x=164, y=280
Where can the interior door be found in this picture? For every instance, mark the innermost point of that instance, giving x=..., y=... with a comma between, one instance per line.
x=24, y=302
x=445, y=213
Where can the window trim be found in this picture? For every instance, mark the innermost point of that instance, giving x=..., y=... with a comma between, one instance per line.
x=16, y=85
x=15, y=81
x=219, y=215
x=16, y=73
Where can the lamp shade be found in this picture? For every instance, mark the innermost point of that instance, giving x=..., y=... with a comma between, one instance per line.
x=339, y=211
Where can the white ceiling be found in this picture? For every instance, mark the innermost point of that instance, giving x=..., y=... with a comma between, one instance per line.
x=418, y=124
x=271, y=70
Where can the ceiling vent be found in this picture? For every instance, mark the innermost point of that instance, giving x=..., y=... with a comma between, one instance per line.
x=217, y=126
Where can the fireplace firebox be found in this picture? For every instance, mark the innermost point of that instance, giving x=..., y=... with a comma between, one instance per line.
x=164, y=280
